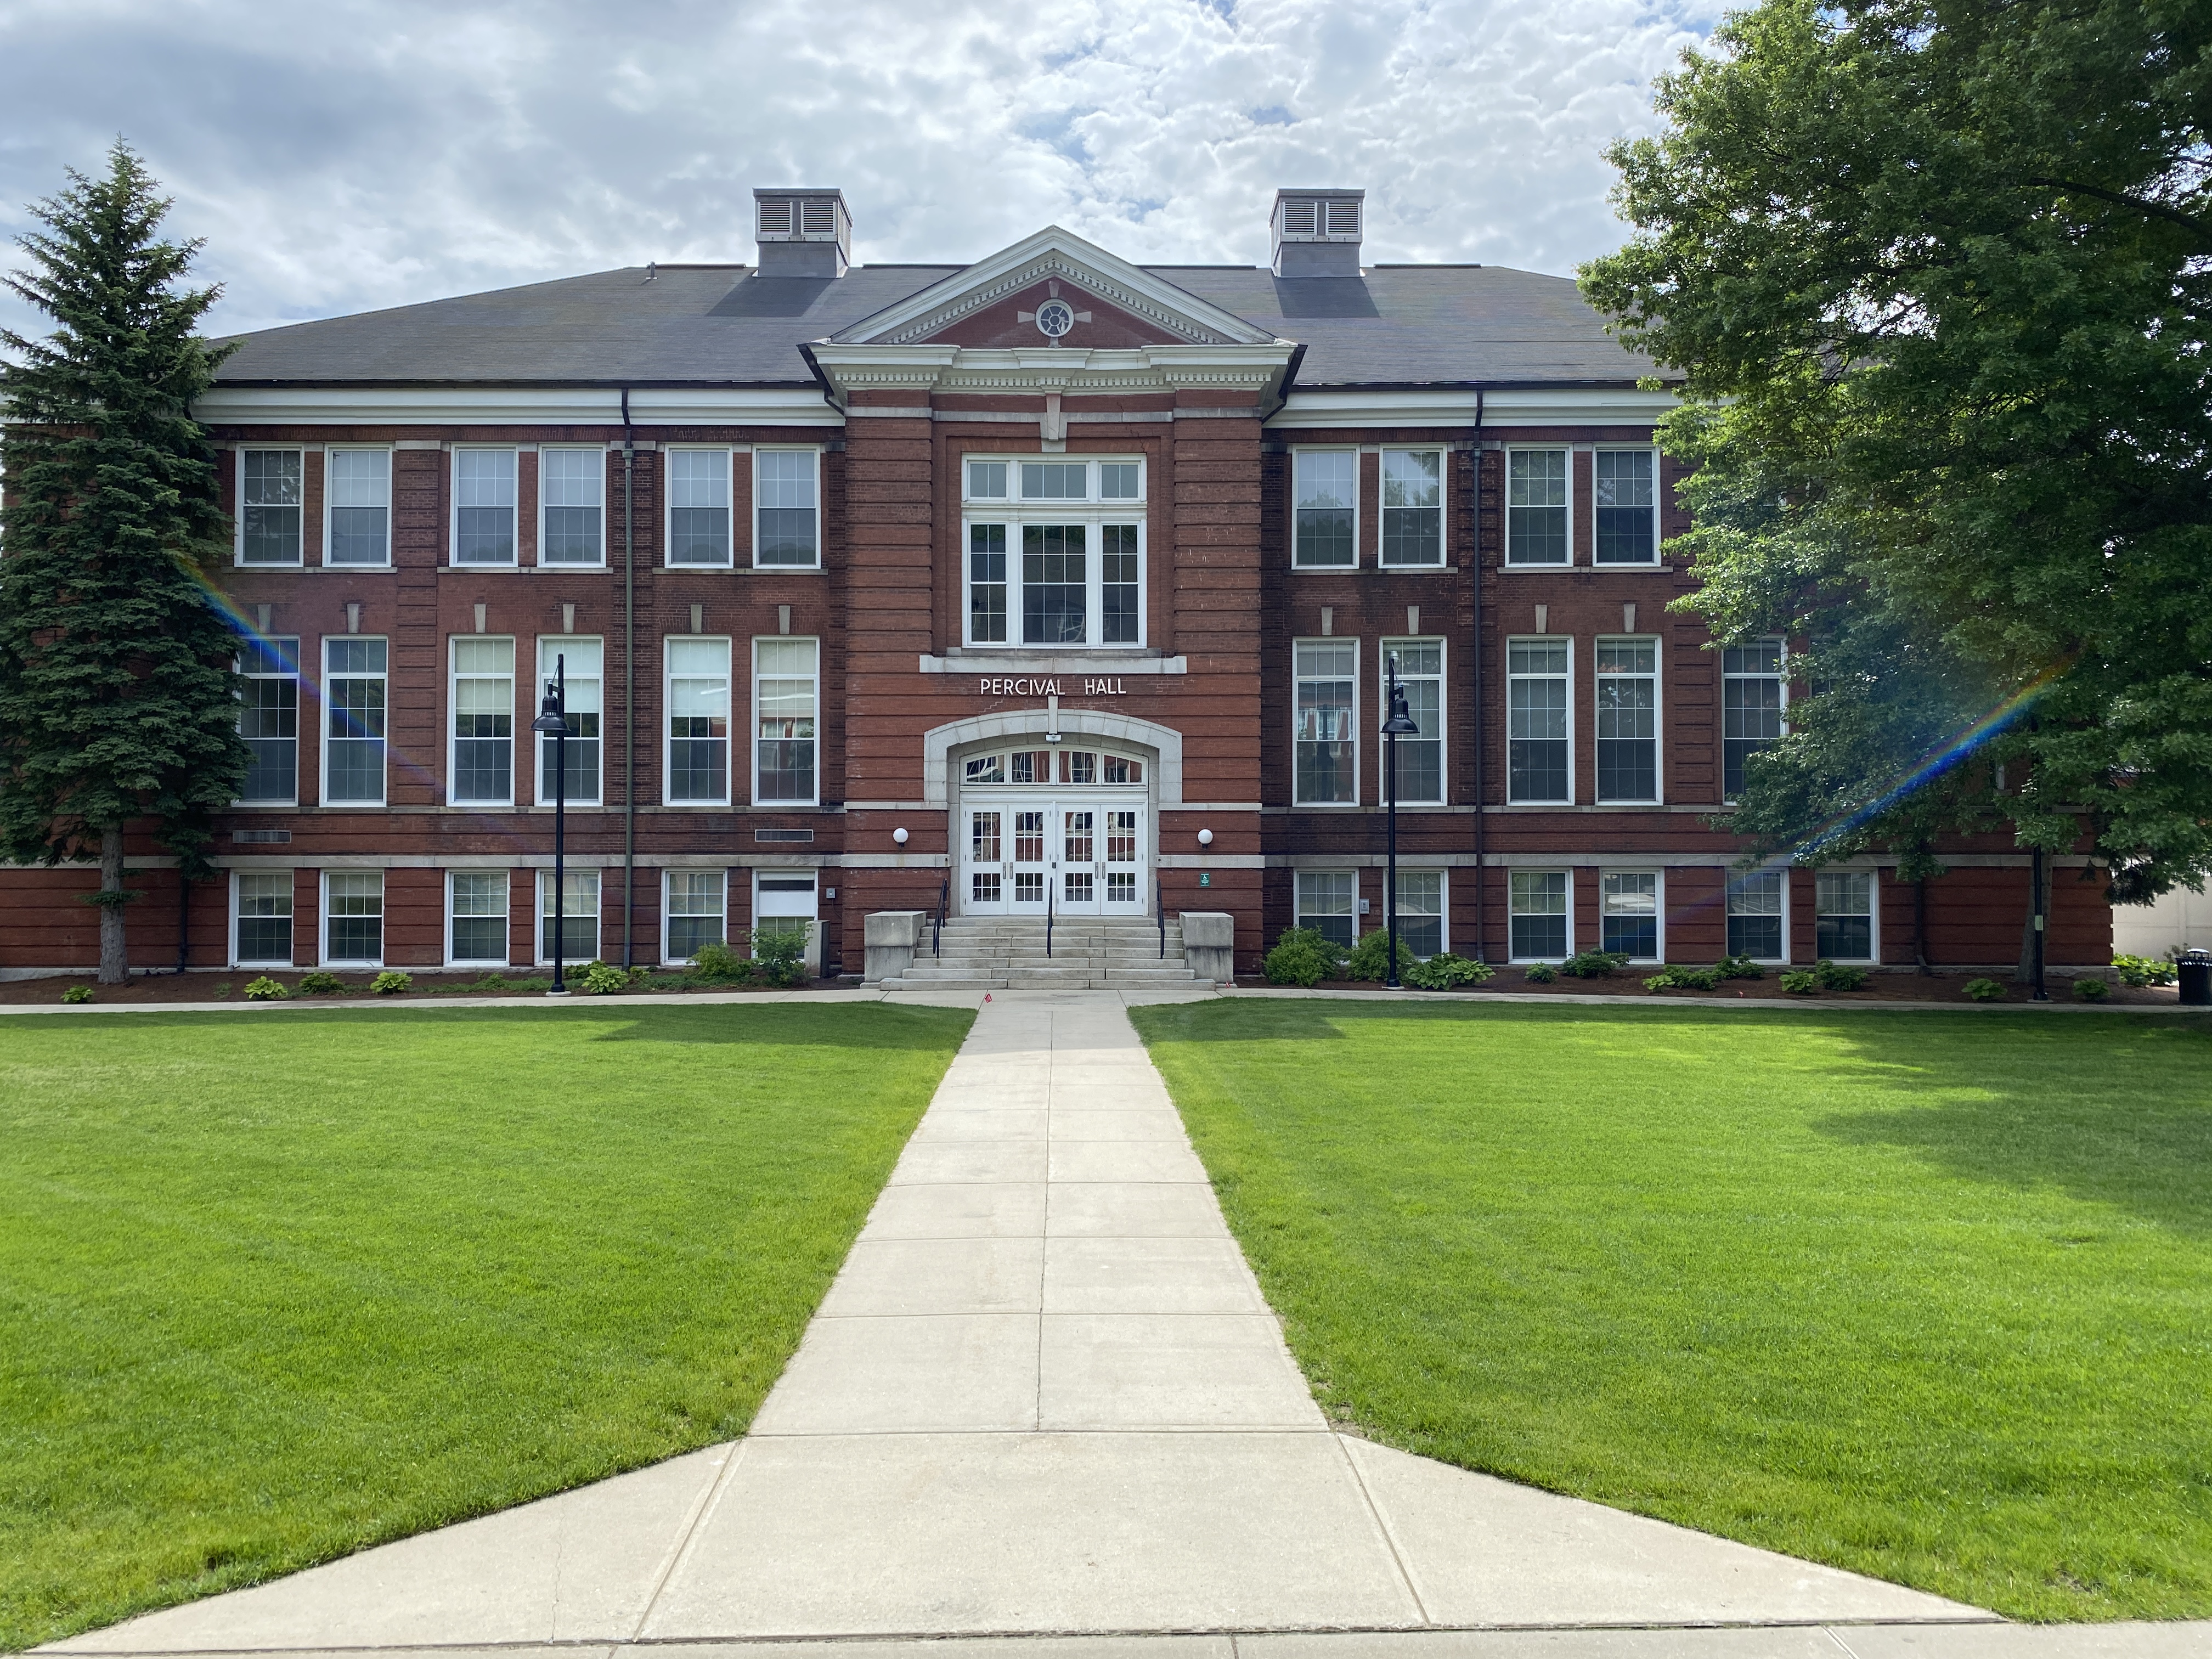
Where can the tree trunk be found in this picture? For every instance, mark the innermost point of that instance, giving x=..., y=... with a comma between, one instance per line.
x=2036, y=902
x=114, y=959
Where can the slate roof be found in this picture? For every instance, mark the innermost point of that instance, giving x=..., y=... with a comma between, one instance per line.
x=720, y=324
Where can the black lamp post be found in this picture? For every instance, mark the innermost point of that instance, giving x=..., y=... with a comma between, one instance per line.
x=552, y=722
x=1399, y=725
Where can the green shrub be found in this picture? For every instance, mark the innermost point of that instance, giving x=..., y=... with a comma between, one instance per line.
x=265, y=989
x=321, y=984
x=1738, y=967
x=1833, y=978
x=1541, y=973
x=1331, y=954
x=779, y=954
x=603, y=979
x=391, y=983
x=1684, y=979
x=1443, y=970
x=1985, y=990
x=2089, y=988
x=1593, y=964
x=718, y=964
x=1802, y=982
x=1371, y=957
x=77, y=994
x=1294, y=962
x=2136, y=972
x=223, y=988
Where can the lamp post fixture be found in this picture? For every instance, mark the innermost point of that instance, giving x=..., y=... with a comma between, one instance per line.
x=1399, y=725
x=552, y=722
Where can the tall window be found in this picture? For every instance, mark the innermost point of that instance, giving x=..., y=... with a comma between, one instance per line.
x=580, y=916
x=269, y=721
x=1326, y=766
x=1421, y=911
x=269, y=505
x=1328, y=903
x=1325, y=507
x=1755, y=915
x=1628, y=719
x=698, y=721
x=571, y=493
x=263, y=924
x=581, y=661
x=484, y=506
x=1421, y=759
x=1536, y=721
x=695, y=912
x=698, y=507
x=483, y=722
x=353, y=916
x=1412, y=507
x=353, y=704
x=787, y=528
x=1536, y=914
x=1537, y=507
x=1751, y=707
x=1628, y=913
x=1843, y=915
x=1045, y=566
x=786, y=694
x=1627, y=507
x=358, y=488
x=476, y=925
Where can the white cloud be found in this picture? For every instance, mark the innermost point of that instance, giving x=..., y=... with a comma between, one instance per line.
x=365, y=153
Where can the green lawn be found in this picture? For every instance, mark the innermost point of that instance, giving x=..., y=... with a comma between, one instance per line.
x=276, y=1287
x=1925, y=1295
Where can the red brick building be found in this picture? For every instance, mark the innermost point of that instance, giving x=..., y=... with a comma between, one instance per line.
x=1050, y=581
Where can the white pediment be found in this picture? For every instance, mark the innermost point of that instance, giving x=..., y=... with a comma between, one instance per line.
x=1053, y=252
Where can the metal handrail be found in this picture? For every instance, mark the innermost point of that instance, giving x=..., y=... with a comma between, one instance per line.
x=1048, y=917
x=936, y=922
x=1160, y=909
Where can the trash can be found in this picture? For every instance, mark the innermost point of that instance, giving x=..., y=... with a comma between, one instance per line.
x=2195, y=971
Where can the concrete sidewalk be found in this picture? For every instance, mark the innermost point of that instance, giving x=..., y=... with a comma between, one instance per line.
x=1044, y=1397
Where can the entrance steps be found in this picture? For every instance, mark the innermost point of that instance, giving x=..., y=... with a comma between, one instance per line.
x=1088, y=953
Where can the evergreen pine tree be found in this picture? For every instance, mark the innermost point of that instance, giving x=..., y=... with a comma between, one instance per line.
x=117, y=702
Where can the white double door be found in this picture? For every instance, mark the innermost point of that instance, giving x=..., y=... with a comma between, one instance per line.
x=1020, y=855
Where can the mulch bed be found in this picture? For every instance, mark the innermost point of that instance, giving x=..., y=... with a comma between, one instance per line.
x=1883, y=986
x=152, y=990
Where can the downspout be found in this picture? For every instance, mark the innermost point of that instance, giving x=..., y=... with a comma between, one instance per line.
x=1481, y=874
x=630, y=683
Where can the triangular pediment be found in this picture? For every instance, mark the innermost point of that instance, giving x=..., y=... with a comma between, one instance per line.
x=983, y=305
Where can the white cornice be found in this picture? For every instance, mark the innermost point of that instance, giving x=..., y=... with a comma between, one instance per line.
x=1036, y=370
x=1456, y=406
x=1053, y=252
x=228, y=405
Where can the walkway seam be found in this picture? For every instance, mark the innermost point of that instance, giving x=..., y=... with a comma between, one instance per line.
x=1382, y=1525
x=702, y=1506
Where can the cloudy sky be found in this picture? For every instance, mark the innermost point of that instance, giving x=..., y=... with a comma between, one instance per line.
x=353, y=154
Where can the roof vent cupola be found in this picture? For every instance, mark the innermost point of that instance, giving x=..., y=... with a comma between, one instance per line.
x=802, y=232
x=1317, y=232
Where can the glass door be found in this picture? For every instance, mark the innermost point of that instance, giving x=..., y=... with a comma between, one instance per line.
x=1026, y=870
x=1078, y=860
x=1122, y=890
x=983, y=875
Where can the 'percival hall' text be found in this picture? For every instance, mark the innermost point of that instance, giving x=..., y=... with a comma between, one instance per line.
x=1050, y=584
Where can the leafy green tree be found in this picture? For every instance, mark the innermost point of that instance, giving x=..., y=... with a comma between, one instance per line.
x=1937, y=276
x=116, y=697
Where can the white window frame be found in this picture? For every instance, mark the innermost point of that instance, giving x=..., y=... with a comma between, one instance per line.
x=237, y=531
x=600, y=451
x=730, y=723
x=1443, y=712
x=1872, y=958
x=1728, y=878
x=1093, y=512
x=230, y=945
x=1781, y=676
x=506, y=917
x=539, y=885
x=1566, y=871
x=668, y=560
x=541, y=746
x=667, y=913
x=1442, y=873
x=813, y=450
x=1658, y=898
x=814, y=929
x=1296, y=453
x=323, y=719
x=1651, y=564
x=453, y=677
x=323, y=919
x=1567, y=639
x=753, y=738
x=1513, y=562
x=258, y=648
x=1358, y=732
x=1658, y=797
x=453, y=560
x=330, y=518
x=1383, y=509
x=1299, y=911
